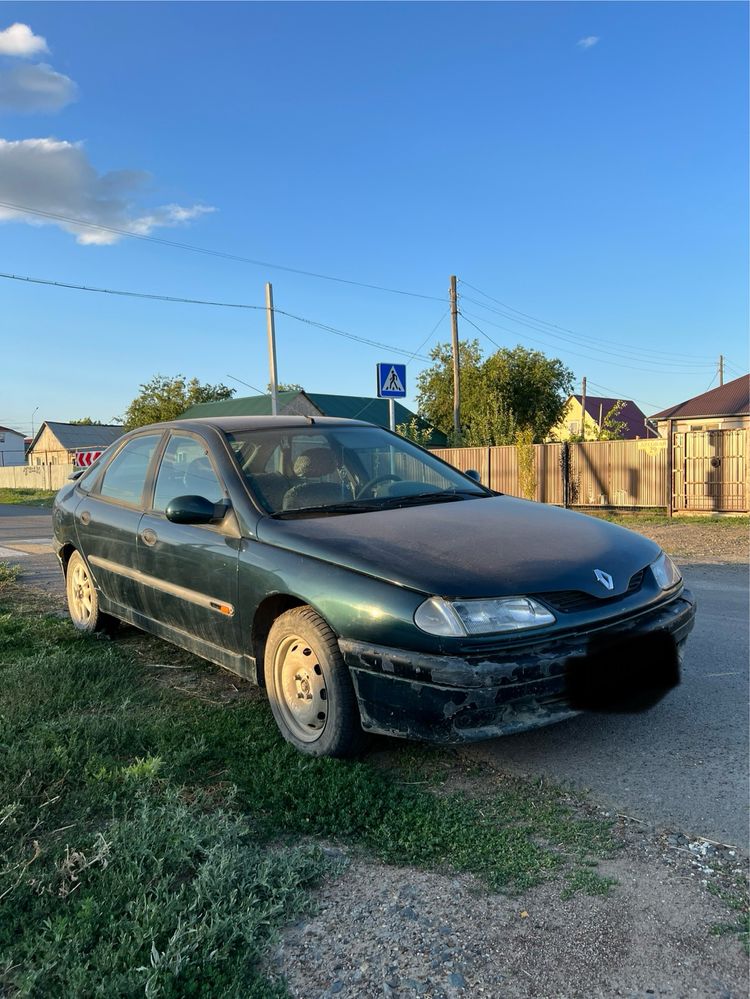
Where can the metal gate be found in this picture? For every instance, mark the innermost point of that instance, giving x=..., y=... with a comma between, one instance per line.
x=708, y=471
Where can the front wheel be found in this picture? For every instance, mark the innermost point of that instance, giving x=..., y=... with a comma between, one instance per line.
x=83, y=600
x=309, y=687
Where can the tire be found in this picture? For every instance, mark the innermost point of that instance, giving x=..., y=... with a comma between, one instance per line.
x=309, y=687
x=83, y=600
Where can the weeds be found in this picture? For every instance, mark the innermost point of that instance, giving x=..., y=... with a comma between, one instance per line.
x=150, y=844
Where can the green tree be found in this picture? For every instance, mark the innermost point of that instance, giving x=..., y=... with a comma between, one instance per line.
x=435, y=385
x=285, y=387
x=491, y=423
x=415, y=431
x=165, y=398
x=534, y=387
x=526, y=468
x=512, y=388
x=611, y=429
x=85, y=421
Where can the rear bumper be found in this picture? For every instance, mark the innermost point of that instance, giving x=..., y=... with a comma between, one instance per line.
x=480, y=695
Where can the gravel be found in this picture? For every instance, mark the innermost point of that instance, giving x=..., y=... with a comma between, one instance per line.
x=698, y=541
x=399, y=932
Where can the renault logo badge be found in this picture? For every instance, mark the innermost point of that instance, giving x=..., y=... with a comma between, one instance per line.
x=605, y=579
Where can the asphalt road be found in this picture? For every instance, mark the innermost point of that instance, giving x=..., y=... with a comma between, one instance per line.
x=682, y=764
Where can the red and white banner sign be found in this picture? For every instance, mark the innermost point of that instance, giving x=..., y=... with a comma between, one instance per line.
x=86, y=458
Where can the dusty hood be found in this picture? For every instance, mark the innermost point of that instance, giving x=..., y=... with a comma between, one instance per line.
x=480, y=547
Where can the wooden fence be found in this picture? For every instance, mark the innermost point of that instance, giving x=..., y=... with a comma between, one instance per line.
x=599, y=473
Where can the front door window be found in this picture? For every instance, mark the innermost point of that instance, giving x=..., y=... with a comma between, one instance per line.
x=186, y=470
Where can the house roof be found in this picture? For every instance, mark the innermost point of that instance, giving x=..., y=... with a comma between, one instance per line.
x=9, y=430
x=631, y=415
x=74, y=436
x=345, y=407
x=248, y=405
x=730, y=399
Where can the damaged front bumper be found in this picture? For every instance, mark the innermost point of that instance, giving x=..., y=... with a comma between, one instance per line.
x=490, y=688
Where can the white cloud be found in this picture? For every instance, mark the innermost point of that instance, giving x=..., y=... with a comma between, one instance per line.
x=20, y=40
x=55, y=176
x=588, y=42
x=35, y=88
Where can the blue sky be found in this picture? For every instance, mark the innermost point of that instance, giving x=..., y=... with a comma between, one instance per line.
x=601, y=187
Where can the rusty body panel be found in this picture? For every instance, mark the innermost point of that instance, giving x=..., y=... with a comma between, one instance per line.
x=464, y=699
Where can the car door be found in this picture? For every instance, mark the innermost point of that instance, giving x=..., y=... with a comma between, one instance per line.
x=107, y=520
x=189, y=571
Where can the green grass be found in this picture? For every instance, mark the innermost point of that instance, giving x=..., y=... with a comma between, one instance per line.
x=28, y=497
x=735, y=896
x=8, y=573
x=154, y=844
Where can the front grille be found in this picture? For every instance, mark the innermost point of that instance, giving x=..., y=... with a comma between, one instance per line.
x=568, y=601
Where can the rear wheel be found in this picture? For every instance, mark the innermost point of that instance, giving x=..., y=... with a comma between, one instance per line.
x=309, y=687
x=83, y=600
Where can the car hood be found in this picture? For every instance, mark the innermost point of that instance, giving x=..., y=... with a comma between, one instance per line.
x=482, y=547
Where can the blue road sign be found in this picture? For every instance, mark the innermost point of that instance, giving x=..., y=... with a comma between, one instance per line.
x=391, y=381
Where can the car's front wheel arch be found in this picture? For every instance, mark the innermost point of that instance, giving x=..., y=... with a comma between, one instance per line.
x=268, y=611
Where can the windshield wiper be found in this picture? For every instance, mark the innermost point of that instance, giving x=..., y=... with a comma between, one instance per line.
x=427, y=497
x=350, y=506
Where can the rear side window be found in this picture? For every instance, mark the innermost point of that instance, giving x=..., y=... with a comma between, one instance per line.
x=125, y=476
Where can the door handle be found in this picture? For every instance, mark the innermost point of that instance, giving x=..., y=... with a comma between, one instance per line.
x=149, y=537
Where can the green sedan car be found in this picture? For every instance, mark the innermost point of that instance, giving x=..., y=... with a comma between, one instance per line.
x=367, y=585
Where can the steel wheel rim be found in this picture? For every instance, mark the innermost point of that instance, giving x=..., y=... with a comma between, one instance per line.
x=302, y=695
x=80, y=594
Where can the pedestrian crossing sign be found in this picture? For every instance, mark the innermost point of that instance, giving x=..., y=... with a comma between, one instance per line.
x=391, y=381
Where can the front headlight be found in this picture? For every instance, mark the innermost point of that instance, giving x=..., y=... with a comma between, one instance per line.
x=458, y=618
x=665, y=572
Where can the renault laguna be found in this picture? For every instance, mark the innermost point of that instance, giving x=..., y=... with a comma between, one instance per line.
x=368, y=586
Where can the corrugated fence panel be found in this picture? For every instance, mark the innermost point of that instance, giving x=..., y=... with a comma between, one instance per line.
x=549, y=479
x=465, y=458
x=602, y=473
x=619, y=473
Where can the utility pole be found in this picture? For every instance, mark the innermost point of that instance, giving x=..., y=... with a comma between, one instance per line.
x=721, y=369
x=456, y=367
x=583, y=408
x=272, y=349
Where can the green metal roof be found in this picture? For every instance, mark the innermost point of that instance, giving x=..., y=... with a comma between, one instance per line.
x=344, y=407
x=249, y=405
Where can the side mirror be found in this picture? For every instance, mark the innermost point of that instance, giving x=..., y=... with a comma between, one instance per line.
x=472, y=473
x=76, y=474
x=194, y=510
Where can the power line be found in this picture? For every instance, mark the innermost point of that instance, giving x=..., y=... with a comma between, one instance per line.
x=206, y=250
x=428, y=337
x=199, y=301
x=619, y=395
x=563, y=329
x=734, y=367
x=567, y=350
x=253, y=387
x=627, y=354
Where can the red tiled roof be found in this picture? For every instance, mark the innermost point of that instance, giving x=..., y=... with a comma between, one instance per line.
x=630, y=414
x=730, y=399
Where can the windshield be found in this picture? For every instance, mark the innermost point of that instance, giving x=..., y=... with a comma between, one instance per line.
x=317, y=469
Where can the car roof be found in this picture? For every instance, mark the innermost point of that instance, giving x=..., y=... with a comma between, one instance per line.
x=237, y=424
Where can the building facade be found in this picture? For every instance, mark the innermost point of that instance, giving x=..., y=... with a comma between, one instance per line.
x=58, y=443
x=12, y=447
